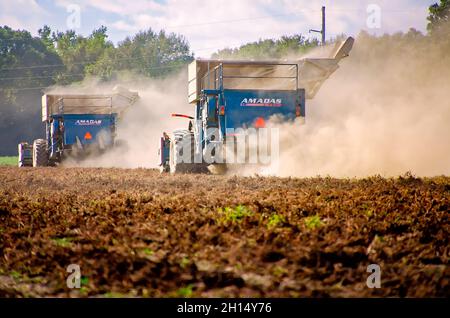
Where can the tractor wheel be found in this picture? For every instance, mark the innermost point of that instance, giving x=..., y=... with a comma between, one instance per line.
x=164, y=168
x=183, y=140
x=20, y=159
x=40, y=154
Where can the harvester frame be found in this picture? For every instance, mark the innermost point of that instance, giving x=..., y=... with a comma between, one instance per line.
x=77, y=125
x=223, y=106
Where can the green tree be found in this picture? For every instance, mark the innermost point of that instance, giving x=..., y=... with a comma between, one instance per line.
x=79, y=53
x=147, y=53
x=269, y=48
x=27, y=64
x=439, y=17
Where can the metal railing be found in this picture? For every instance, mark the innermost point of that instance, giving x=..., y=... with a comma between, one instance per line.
x=90, y=109
x=214, y=79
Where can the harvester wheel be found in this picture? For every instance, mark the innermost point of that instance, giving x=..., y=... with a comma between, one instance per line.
x=20, y=160
x=40, y=154
x=174, y=166
x=183, y=140
x=164, y=168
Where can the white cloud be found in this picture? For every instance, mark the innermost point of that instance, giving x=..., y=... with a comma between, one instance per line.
x=22, y=14
x=121, y=25
x=120, y=7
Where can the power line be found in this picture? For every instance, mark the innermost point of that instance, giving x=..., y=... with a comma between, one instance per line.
x=287, y=14
x=43, y=87
x=46, y=66
x=75, y=75
x=383, y=10
x=122, y=59
x=82, y=74
x=77, y=63
x=24, y=88
x=93, y=61
x=116, y=59
x=236, y=20
x=87, y=62
x=36, y=77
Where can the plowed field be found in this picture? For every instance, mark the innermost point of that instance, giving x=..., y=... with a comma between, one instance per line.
x=139, y=233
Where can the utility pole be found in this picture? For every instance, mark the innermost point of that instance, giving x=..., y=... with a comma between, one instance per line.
x=322, y=31
x=323, y=25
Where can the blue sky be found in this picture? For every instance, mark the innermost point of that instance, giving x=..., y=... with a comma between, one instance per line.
x=210, y=25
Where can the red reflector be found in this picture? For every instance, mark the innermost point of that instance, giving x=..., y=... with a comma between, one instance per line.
x=222, y=110
x=260, y=122
x=87, y=135
x=298, y=111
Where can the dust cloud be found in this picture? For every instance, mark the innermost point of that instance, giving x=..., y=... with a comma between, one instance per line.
x=140, y=127
x=385, y=111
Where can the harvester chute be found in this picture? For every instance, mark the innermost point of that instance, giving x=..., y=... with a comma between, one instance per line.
x=313, y=72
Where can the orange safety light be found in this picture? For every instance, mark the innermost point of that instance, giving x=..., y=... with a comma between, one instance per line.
x=260, y=122
x=298, y=111
x=87, y=135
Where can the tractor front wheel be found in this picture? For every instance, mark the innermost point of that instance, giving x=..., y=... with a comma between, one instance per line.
x=174, y=165
x=182, y=141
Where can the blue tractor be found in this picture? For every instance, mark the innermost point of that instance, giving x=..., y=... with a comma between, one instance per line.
x=76, y=125
x=234, y=98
